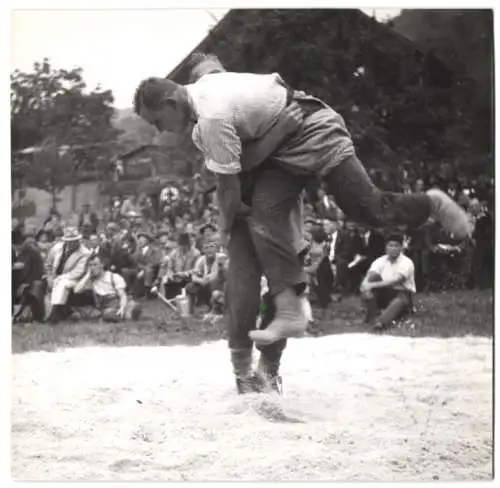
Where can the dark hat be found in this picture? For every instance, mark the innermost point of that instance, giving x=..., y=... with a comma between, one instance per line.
x=206, y=226
x=146, y=234
x=395, y=237
x=41, y=233
x=183, y=239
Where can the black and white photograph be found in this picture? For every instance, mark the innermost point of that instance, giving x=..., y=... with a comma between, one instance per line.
x=251, y=244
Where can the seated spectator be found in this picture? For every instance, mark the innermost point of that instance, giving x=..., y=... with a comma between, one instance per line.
x=108, y=293
x=207, y=232
x=147, y=260
x=66, y=265
x=208, y=277
x=42, y=239
x=389, y=286
x=121, y=251
x=28, y=275
x=92, y=243
x=176, y=271
x=53, y=227
x=318, y=269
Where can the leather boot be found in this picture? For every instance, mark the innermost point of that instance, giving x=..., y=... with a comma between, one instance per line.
x=289, y=321
x=266, y=376
x=241, y=360
x=56, y=314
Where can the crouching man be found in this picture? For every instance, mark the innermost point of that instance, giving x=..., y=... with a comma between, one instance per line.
x=108, y=290
x=208, y=278
x=388, y=286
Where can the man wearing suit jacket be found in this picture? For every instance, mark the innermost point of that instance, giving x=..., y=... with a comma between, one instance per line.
x=66, y=265
x=28, y=271
x=348, y=244
x=147, y=258
x=373, y=246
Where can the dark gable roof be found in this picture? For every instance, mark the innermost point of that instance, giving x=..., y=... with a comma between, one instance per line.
x=235, y=20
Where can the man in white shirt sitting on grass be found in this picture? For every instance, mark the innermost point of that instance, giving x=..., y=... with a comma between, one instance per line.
x=109, y=293
x=389, y=286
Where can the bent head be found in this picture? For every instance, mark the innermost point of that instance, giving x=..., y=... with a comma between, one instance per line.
x=164, y=104
x=96, y=267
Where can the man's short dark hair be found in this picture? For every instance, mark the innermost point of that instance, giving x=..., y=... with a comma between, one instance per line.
x=395, y=237
x=152, y=92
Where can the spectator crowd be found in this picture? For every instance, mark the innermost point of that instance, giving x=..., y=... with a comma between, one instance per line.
x=168, y=244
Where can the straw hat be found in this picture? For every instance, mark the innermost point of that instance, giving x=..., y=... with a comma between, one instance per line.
x=71, y=234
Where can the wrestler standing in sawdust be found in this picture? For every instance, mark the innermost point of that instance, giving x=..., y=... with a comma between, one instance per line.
x=238, y=124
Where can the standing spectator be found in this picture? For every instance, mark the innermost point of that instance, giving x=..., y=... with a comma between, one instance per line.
x=349, y=246
x=373, y=246
x=87, y=220
x=484, y=253
x=419, y=251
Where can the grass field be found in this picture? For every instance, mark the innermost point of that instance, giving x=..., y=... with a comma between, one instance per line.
x=155, y=400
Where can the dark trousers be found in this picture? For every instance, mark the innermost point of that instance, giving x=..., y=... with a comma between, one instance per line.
x=32, y=295
x=199, y=294
x=324, y=284
x=173, y=288
x=392, y=303
x=421, y=261
x=264, y=243
x=342, y=279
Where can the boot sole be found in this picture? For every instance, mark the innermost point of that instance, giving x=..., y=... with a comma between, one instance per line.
x=260, y=339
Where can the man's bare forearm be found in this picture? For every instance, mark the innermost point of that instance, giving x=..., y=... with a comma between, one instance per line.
x=229, y=199
x=387, y=283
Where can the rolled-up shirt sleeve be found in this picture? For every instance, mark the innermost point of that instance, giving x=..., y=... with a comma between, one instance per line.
x=220, y=144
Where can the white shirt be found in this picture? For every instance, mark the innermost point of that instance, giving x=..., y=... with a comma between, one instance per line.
x=403, y=266
x=108, y=284
x=331, y=255
x=233, y=108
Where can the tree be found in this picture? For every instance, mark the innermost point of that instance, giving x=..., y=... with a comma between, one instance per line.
x=463, y=39
x=51, y=170
x=52, y=107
